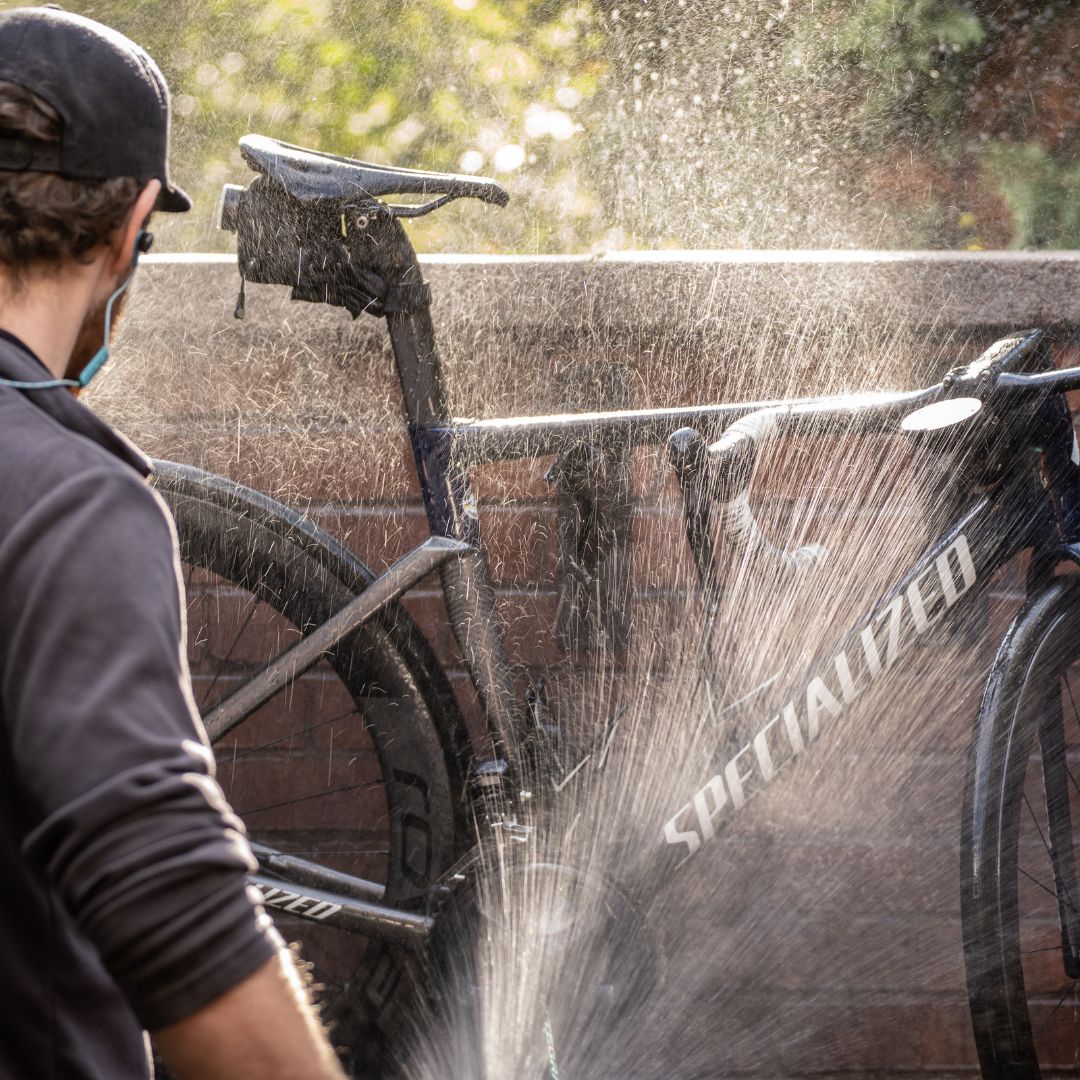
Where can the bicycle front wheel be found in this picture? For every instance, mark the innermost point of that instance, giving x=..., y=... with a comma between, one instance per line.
x=1020, y=901
x=344, y=766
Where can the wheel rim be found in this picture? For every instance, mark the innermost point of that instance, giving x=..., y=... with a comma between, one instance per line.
x=302, y=771
x=233, y=630
x=1023, y=1006
x=1045, y=886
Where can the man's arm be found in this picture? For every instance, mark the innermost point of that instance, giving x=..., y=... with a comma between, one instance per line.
x=261, y=1028
x=129, y=826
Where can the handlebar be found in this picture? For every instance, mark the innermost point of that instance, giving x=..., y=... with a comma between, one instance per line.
x=994, y=383
x=1047, y=382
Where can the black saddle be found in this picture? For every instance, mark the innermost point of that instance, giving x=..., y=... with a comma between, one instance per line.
x=310, y=175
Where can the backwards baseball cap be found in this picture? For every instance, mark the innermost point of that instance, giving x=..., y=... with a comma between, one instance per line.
x=111, y=97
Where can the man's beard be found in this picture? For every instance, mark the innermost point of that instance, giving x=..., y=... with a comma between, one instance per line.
x=92, y=335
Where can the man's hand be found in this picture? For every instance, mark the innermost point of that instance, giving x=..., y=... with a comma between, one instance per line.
x=262, y=1028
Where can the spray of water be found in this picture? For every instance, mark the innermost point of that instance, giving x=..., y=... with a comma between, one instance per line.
x=818, y=931
x=820, y=924
x=778, y=947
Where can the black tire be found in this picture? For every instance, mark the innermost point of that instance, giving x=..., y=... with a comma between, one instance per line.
x=1025, y=1005
x=390, y=807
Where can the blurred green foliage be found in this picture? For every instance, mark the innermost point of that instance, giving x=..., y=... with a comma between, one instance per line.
x=982, y=95
x=820, y=123
x=647, y=123
x=914, y=52
x=445, y=84
x=1042, y=192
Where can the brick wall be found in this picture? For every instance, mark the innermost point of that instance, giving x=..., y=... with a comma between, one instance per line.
x=300, y=401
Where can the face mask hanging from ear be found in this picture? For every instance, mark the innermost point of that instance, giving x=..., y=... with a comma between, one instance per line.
x=143, y=242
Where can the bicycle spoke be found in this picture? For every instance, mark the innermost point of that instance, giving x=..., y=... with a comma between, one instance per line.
x=237, y=754
x=1035, y=881
x=333, y=851
x=1076, y=713
x=1068, y=688
x=225, y=660
x=1032, y=952
x=1073, y=779
x=306, y=798
x=1046, y=844
x=1042, y=1027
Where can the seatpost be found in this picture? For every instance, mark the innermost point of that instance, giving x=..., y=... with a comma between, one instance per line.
x=444, y=484
x=387, y=250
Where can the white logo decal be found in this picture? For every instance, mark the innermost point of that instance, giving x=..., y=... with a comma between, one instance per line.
x=880, y=643
x=297, y=903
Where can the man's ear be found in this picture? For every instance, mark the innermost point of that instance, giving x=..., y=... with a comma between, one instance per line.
x=123, y=251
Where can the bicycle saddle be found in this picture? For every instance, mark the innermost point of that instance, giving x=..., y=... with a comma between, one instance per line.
x=309, y=175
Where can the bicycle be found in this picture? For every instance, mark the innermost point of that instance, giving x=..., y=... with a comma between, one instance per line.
x=320, y=223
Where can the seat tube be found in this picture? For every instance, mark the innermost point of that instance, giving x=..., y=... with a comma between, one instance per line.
x=470, y=596
x=451, y=511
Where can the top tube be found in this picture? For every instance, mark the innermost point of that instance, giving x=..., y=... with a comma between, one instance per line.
x=507, y=438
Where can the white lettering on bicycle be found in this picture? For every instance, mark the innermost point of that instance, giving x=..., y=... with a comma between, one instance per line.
x=297, y=903
x=895, y=613
x=783, y=737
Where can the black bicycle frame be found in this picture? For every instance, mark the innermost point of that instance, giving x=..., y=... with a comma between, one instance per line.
x=444, y=453
x=936, y=589
x=1021, y=512
x=1027, y=507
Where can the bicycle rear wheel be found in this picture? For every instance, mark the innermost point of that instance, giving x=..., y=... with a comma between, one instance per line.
x=345, y=766
x=1020, y=901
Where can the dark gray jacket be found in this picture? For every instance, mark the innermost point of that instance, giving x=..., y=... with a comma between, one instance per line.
x=123, y=902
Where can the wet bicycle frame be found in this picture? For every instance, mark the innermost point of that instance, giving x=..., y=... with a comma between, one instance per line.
x=1024, y=494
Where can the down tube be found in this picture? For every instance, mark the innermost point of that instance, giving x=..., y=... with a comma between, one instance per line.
x=953, y=570
x=470, y=597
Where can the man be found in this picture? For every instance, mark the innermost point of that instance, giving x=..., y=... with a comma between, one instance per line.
x=124, y=903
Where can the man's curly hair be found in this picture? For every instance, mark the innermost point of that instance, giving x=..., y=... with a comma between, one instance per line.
x=47, y=219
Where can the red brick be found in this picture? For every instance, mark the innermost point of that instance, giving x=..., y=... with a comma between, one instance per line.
x=521, y=544
x=652, y=477
x=230, y=626
x=529, y=619
x=281, y=719
x=660, y=554
x=519, y=539
x=521, y=478
x=321, y=467
x=378, y=533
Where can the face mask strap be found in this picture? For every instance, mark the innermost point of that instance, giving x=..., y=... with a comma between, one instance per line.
x=142, y=244
x=102, y=354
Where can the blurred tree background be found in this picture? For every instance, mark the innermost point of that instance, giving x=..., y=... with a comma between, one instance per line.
x=647, y=123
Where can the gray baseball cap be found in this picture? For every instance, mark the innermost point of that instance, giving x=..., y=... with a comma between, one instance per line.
x=111, y=97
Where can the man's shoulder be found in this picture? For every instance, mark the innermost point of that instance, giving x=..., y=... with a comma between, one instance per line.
x=42, y=457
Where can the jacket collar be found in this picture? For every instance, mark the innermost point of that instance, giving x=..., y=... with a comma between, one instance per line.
x=18, y=362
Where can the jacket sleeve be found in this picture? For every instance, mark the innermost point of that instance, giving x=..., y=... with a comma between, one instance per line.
x=127, y=823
